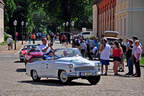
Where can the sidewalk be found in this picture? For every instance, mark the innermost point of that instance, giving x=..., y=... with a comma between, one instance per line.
x=4, y=49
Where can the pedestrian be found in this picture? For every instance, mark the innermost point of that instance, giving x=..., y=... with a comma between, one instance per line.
x=105, y=55
x=127, y=47
x=117, y=55
x=63, y=38
x=83, y=48
x=88, y=49
x=33, y=38
x=129, y=58
x=95, y=51
x=121, y=66
x=137, y=58
x=9, y=41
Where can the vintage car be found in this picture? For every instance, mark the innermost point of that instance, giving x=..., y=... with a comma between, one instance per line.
x=24, y=50
x=67, y=64
x=34, y=54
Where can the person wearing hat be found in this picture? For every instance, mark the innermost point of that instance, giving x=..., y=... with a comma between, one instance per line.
x=105, y=55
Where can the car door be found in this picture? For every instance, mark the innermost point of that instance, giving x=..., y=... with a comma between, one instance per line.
x=43, y=68
x=52, y=68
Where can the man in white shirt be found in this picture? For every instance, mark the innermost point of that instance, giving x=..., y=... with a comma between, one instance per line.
x=45, y=49
x=105, y=55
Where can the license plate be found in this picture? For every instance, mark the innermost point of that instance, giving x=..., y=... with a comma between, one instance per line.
x=85, y=73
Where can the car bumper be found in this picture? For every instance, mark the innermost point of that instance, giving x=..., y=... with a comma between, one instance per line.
x=84, y=73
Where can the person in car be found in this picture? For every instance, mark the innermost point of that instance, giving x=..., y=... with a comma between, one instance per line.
x=50, y=56
x=45, y=49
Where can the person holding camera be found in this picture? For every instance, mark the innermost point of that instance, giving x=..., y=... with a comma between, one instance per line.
x=45, y=49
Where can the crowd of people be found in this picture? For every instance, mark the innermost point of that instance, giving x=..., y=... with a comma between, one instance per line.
x=101, y=49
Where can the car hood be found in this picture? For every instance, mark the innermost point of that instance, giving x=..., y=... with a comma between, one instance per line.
x=23, y=52
x=36, y=53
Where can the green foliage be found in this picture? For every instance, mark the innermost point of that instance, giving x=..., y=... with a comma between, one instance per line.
x=6, y=36
x=49, y=12
x=142, y=61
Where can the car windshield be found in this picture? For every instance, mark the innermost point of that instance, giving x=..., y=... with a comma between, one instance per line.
x=67, y=52
x=30, y=47
x=111, y=40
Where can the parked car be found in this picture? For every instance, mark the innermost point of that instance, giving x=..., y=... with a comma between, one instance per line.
x=67, y=65
x=86, y=34
x=33, y=54
x=24, y=50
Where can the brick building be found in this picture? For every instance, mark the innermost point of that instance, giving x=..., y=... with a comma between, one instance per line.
x=1, y=21
x=103, y=16
x=124, y=16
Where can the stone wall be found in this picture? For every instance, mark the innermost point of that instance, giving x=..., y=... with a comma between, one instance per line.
x=1, y=22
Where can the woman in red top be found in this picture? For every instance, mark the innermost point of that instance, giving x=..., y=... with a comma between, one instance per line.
x=117, y=53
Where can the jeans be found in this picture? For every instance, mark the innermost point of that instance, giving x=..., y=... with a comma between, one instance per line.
x=130, y=66
x=137, y=66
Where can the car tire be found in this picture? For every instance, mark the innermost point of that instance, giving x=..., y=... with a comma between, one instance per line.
x=35, y=76
x=63, y=77
x=21, y=60
x=94, y=80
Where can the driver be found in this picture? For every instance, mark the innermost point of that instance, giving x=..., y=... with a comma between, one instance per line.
x=51, y=56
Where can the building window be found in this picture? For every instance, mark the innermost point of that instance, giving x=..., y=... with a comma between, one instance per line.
x=121, y=27
x=125, y=25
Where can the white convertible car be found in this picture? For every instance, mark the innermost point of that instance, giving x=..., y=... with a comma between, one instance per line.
x=67, y=64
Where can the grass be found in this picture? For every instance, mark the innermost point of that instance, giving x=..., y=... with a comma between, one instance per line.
x=142, y=61
x=3, y=43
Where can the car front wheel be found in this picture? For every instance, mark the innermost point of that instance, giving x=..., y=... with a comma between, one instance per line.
x=94, y=80
x=64, y=78
x=34, y=75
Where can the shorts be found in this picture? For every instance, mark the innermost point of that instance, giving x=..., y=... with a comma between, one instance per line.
x=104, y=62
x=116, y=59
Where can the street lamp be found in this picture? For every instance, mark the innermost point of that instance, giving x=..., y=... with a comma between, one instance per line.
x=26, y=34
x=67, y=24
x=72, y=24
x=64, y=26
x=22, y=23
x=15, y=24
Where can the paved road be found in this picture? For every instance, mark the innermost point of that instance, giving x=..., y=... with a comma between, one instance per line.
x=14, y=82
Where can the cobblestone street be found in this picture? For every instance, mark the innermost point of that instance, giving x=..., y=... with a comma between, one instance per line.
x=14, y=82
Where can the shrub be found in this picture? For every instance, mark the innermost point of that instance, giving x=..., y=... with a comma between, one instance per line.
x=6, y=36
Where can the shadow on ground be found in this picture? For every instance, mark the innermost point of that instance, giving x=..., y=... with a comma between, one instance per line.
x=18, y=62
x=21, y=70
x=52, y=82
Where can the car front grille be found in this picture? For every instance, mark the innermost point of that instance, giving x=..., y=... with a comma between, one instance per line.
x=84, y=68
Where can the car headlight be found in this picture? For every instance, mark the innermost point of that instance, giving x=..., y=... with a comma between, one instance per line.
x=98, y=66
x=27, y=57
